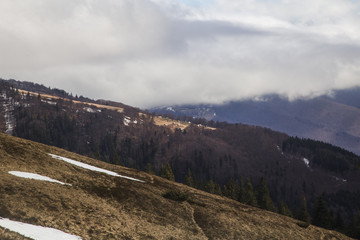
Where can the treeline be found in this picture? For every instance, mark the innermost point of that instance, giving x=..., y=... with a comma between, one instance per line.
x=259, y=197
x=330, y=157
x=194, y=120
x=214, y=157
x=57, y=130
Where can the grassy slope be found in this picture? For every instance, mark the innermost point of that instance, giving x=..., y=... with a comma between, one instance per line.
x=99, y=206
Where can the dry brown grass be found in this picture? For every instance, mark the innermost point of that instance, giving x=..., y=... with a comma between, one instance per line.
x=159, y=121
x=47, y=96
x=99, y=206
x=174, y=124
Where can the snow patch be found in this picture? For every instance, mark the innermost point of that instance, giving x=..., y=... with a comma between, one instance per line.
x=8, y=109
x=92, y=168
x=127, y=121
x=339, y=179
x=91, y=110
x=35, y=177
x=307, y=162
x=36, y=232
x=170, y=109
x=48, y=102
x=279, y=149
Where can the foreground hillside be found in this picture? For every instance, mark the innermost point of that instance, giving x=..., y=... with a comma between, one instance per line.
x=96, y=205
x=215, y=158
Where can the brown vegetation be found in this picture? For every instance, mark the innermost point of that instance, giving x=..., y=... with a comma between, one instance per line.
x=47, y=96
x=99, y=206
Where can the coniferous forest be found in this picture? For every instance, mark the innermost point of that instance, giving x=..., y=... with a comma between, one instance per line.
x=312, y=181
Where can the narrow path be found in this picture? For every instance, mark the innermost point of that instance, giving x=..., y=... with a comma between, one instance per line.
x=198, y=228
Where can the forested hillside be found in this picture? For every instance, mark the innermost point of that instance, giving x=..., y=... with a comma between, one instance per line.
x=90, y=199
x=235, y=160
x=333, y=119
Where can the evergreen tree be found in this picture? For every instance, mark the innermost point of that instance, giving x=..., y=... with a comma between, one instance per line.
x=167, y=173
x=218, y=189
x=303, y=215
x=241, y=191
x=263, y=196
x=231, y=190
x=98, y=156
x=353, y=229
x=249, y=196
x=210, y=186
x=116, y=158
x=321, y=215
x=284, y=209
x=149, y=169
x=189, y=179
x=339, y=223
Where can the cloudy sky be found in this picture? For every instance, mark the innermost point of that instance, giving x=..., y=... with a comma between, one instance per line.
x=159, y=52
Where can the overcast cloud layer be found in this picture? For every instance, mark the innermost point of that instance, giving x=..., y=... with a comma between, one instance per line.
x=146, y=53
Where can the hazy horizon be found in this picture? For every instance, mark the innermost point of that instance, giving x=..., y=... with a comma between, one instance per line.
x=164, y=52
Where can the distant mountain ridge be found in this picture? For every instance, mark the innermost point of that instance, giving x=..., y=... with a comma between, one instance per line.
x=334, y=119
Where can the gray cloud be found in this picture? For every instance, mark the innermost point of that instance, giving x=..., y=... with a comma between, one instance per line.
x=147, y=53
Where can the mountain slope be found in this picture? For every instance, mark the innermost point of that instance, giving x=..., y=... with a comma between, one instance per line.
x=122, y=135
x=101, y=206
x=330, y=119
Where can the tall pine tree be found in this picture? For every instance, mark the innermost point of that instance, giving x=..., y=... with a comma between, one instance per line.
x=189, y=179
x=249, y=196
x=303, y=214
x=241, y=191
x=167, y=173
x=321, y=215
x=284, y=209
x=230, y=190
x=210, y=186
x=263, y=196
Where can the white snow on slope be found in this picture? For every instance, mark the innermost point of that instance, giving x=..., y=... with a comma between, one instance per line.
x=170, y=109
x=92, y=168
x=339, y=179
x=127, y=121
x=35, y=176
x=8, y=111
x=36, y=232
x=90, y=110
x=307, y=162
x=48, y=102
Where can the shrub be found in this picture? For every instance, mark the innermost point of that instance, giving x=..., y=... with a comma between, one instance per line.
x=176, y=195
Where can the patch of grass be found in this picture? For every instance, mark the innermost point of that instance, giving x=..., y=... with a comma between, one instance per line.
x=176, y=195
x=180, y=196
x=196, y=203
x=303, y=224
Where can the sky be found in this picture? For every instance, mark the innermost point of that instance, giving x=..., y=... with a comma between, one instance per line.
x=147, y=53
